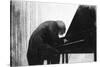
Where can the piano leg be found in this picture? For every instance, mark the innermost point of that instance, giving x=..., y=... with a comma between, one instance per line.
x=45, y=62
x=66, y=57
x=60, y=62
x=62, y=57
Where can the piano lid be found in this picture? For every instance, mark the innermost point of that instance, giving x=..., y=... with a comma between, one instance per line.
x=83, y=21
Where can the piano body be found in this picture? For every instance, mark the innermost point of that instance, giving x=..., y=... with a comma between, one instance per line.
x=83, y=27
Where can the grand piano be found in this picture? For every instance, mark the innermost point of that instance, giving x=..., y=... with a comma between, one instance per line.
x=83, y=27
x=81, y=34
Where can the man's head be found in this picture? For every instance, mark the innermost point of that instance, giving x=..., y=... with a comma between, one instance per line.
x=61, y=27
x=57, y=27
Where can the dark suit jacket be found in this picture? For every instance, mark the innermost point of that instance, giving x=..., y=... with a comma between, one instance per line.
x=44, y=39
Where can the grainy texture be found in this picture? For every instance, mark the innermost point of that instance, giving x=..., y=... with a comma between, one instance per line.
x=25, y=17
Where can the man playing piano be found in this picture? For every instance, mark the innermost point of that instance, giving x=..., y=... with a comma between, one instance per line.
x=43, y=43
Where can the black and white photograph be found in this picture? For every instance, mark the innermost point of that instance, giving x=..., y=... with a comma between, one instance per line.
x=43, y=33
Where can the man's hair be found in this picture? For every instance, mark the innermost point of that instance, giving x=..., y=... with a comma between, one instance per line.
x=61, y=26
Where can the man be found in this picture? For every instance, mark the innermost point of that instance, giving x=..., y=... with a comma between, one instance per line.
x=43, y=43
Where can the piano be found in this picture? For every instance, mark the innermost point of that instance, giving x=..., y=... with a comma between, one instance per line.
x=83, y=27
x=81, y=34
